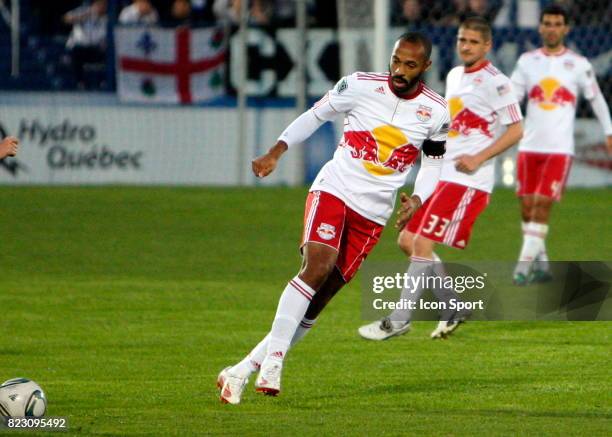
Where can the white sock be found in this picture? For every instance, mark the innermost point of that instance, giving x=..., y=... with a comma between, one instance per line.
x=443, y=293
x=292, y=306
x=302, y=329
x=252, y=362
x=542, y=259
x=533, y=243
x=419, y=269
x=524, y=226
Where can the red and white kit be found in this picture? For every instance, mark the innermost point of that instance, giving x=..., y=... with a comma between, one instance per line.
x=481, y=102
x=354, y=193
x=552, y=83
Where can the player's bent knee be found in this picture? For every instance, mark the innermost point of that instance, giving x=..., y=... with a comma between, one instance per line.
x=423, y=247
x=316, y=272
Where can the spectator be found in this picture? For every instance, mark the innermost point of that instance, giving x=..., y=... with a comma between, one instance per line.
x=140, y=12
x=260, y=11
x=283, y=12
x=202, y=11
x=87, y=40
x=462, y=9
x=180, y=13
x=482, y=8
x=410, y=14
x=456, y=13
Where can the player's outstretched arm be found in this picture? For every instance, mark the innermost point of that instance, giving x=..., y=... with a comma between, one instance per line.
x=9, y=147
x=470, y=163
x=265, y=164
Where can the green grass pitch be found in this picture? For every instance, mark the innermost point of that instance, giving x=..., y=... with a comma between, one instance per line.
x=125, y=303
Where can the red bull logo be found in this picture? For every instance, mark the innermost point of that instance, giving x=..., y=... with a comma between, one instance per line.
x=465, y=121
x=549, y=94
x=383, y=151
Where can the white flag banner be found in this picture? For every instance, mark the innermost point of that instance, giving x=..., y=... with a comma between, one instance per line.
x=169, y=65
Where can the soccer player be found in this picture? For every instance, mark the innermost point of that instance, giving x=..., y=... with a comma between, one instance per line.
x=9, y=147
x=389, y=119
x=486, y=120
x=551, y=77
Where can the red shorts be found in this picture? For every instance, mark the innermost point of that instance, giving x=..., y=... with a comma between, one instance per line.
x=449, y=214
x=327, y=220
x=542, y=173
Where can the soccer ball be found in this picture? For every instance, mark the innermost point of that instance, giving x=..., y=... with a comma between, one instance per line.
x=20, y=397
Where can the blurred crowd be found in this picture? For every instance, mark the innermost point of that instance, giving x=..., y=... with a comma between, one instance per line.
x=85, y=22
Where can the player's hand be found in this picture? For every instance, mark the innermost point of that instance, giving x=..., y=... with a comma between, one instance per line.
x=467, y=163
x=264, y=165
x=9, y=147
x=609, y=144
x=408, y=207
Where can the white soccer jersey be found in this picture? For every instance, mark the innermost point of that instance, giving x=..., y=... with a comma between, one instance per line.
x=481, y=102
x=552, y=83
x=383, y=135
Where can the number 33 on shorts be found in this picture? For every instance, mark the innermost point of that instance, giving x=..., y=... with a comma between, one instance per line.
x=449, y=214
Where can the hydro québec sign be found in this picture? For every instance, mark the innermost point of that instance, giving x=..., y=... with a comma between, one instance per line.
x=71, y=146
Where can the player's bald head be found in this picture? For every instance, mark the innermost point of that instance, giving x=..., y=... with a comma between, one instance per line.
x=417, y=38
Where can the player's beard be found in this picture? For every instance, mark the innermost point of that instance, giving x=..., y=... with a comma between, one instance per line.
x=410, y=84
x=553, y=44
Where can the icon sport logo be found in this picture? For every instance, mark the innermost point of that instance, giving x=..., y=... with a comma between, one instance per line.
x=11, y=165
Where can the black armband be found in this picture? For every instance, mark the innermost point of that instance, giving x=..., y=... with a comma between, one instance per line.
x=434, y=149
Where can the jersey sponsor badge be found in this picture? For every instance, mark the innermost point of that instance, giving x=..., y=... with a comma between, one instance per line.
x=326, y=231
x=503, y=89
x=342, y=85
x=568, y=64
x=423, y=113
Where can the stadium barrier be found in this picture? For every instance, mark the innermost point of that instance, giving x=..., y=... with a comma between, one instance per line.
x=70, y=139
x=66, y=140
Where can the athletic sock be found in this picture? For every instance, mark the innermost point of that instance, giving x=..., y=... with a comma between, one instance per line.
x=419, y=270
x=292, y=306
x=442, y=292
x=252, y=362
x=542, y=259
x=533, y=243
x=302, y=329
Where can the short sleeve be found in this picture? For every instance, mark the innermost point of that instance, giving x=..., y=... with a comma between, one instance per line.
x=519, y=79
x=501, y=93
x=439, y=131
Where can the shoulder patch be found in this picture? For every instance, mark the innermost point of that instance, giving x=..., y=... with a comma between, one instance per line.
x=342, y=86
x=503, y=89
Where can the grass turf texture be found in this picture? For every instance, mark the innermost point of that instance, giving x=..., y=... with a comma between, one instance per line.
x=125, y=303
